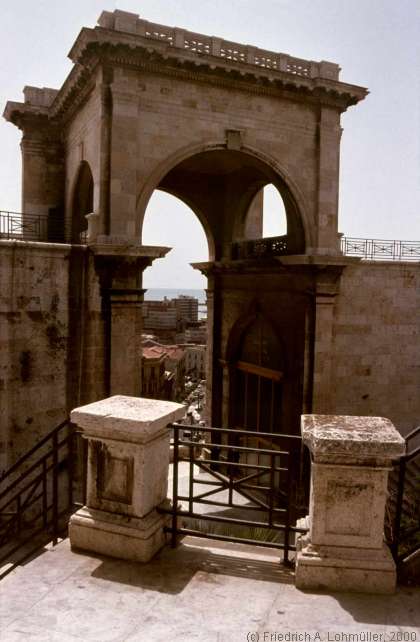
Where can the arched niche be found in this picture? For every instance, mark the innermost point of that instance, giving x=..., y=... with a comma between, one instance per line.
x=82, y=203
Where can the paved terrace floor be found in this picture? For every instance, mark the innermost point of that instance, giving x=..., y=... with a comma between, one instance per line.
x=199, y=591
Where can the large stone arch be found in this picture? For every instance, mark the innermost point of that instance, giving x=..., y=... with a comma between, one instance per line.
x=299, y=219
x=199, y=214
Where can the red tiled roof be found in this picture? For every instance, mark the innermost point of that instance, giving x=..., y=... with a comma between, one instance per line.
x=154, y=352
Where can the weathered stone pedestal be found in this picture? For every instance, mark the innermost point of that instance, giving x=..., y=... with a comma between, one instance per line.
x=344, y=548
x=128, y=460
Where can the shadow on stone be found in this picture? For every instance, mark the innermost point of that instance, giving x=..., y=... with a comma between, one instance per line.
x=400, y=609
x=172, y=569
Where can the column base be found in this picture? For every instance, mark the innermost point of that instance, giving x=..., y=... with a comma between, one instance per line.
x=124, y=537
x=340, y=569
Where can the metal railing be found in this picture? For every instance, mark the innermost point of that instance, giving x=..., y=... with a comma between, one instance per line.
x=20, y=226
x=38, y=491
x=403, y=523
x=381, y=250
x=269, y=479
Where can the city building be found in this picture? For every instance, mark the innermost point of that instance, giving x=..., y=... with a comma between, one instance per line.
x=195, y=361
x=172, y=382
x=154, y=383
x=187, y=308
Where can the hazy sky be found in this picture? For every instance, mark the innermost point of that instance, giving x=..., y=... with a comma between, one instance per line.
x=376, y=42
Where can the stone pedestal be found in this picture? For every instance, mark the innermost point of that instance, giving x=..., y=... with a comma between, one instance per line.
x=344, y=548
x=127, y=480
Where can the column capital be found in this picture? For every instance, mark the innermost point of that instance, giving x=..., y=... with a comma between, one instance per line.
x=346, y=439
x=344, y=549
x=123, y=418
x=127, y=477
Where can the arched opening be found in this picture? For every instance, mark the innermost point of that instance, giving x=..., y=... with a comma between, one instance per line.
x=170, y=222
x=174, y=308
x=82, y=203
x=266, y=216
x=220, y=186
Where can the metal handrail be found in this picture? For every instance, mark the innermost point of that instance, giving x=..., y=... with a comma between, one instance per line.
x=381, y=249
x=399, y=536
x=33, y=450
x=34, y=502
x=235, y=431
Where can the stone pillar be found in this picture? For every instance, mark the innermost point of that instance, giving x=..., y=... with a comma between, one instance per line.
x=128, y=460
x=329, y=136
x=344, y=549
x=326, y=291
x=120, y=268
x=124, y=156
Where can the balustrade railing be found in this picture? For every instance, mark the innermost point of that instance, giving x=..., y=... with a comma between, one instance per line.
x=201, y=44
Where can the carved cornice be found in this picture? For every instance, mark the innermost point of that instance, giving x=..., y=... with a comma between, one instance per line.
x=157, y=57
x=101, y=48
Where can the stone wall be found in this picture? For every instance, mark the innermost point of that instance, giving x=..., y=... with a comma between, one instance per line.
x=376, y=343
x=33, y=342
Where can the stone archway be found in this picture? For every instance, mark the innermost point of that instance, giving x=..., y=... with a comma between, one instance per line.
x=219, y=184
x=155, y=107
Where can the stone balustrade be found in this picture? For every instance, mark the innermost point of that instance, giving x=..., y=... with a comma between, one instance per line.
x=128, y=462
x=344, y=549
x=201, y=44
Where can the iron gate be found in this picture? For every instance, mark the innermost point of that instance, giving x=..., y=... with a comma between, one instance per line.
x=262, y=499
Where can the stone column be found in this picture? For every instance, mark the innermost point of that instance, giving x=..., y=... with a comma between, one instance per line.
x=120, y=268
x=344, y=549
x=128, y=460
x=42, y=154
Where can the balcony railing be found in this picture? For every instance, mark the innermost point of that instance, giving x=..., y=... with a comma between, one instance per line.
x=370, y=249
x=31, y=227
x=381, y=250
x=260, y=248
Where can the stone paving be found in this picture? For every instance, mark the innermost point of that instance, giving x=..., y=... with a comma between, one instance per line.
x=198, y=591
